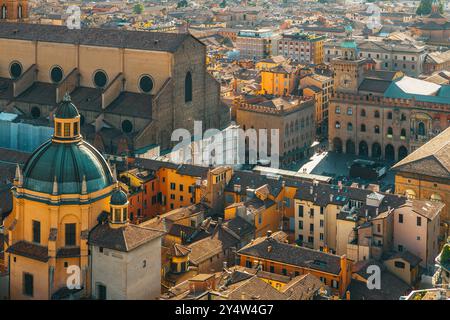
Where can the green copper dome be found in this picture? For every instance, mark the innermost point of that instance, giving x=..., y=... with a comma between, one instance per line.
x=118, y=197
x=68, y=164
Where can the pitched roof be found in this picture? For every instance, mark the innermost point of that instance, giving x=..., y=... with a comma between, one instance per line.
x=431, y=159
x=140, y=40
x=123, y=239
x=271, y=249
x=427, y=209
x=29, y=250
x=221, y=239
x=256, y=289
x=406, y=255
x=302, y=287
x=438, y=57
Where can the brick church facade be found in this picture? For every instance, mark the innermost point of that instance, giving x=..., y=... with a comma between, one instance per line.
x=132, y=88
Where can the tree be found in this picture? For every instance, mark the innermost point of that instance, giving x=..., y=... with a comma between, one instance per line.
x=223, y=4
x=182, y=4
x=426, y=5
x=138, y=8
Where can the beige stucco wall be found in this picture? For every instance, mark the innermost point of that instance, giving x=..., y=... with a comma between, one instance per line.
x=407, y=233
x=124, y=274
x=344, y=228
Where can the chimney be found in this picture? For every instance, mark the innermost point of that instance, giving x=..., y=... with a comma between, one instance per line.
x=331, y=197
x=225, y=265
x=269, y=233
x=311, y=190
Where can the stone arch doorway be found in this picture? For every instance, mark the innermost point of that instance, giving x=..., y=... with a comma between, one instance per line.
x=350, y=147
x=363, y=149
x=402, y=152
x=337, y=145
x=376, y=150
x=389, y=152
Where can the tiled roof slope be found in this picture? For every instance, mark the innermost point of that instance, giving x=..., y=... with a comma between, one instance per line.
x=431, y=159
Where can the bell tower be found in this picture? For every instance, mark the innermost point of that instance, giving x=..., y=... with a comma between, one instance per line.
x=13, y=10
x=349, y=67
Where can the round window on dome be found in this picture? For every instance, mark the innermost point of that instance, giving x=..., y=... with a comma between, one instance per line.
x=15, y=70
x=35, y=112
x=100, y=79
x=127, y=126
x=146, y=84
x=56, y=74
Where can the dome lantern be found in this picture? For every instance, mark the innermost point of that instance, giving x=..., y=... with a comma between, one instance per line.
x=118, y=207
x=67, y=121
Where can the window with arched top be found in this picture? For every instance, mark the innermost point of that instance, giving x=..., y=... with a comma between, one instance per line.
x=4, y=12
x=377, y=129
x=389, y=115
x=349, y=126
x=363, y=112
x=377, y=114
x=421, y=129
x=403, y=133
x=338, y=124
x=188, y=87
x=390, y=131
x=363, y=127
x=15, y=69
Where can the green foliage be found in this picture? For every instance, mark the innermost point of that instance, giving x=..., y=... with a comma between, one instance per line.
x=182, y=4
x=426, y=5
x=223, y=4
x=138, y=8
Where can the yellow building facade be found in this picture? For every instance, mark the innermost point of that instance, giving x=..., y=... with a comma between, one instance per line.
x=280, y=80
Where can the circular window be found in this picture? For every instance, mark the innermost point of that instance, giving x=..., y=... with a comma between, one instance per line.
x=15, y=69
x=35, y=112
x=146, y=84
x=127, y=126
x=56, y=74
x=100, y=79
